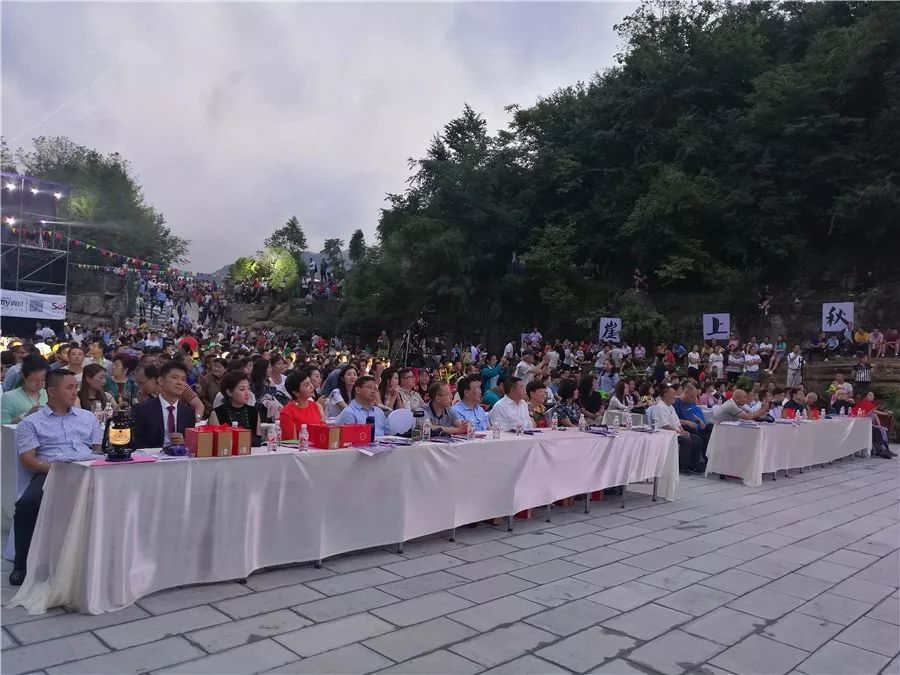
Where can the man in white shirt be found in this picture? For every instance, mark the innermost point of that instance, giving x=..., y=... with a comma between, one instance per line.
x=553, y=359
x=690, y=448
x=525, y=367
x=509, y=350
x=512, y=410
x=752, y=362
x=616, y=356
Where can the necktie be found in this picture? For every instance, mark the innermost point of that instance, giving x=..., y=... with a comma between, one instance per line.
x=170, y=424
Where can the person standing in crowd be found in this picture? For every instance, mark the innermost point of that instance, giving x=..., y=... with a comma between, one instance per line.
x=752, y=362
x=468, y=407
x=717, y=363
x=735, y=364
x=490, y=373
x=794, y=368
x=862, y=375
x=512, y=410
x=59, y=431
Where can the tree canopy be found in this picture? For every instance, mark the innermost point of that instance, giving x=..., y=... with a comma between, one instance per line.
x=106, y=197
x=733, y=145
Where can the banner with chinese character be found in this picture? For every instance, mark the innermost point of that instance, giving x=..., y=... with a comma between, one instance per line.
x=610, y=329
x=716, y=326
x=32, y=305
x=836, y=316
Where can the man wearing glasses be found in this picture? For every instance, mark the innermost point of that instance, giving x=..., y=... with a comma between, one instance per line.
x=365, y=393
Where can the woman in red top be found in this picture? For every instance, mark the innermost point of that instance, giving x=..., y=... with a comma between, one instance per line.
x=302, y=409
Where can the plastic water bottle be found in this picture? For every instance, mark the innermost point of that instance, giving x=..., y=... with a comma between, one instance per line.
x=628, y=420
x=520, y=428
x=108, y=411
x=554, y=421
x=303, y=439
x=270, y=439
x=426, y=429
x=582, y=423
x=495, y=430
x=278, y=436
x=654, y=425
x=470, y=430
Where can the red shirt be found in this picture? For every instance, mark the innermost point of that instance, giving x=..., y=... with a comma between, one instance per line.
x=292, y=417
x=190, y=341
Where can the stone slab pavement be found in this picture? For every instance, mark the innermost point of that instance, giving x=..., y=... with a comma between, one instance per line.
x=800, y=575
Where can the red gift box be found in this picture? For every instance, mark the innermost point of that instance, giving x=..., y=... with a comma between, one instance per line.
x=240, y=441
x=325, y=436
x=209, y=440
x=356, y=434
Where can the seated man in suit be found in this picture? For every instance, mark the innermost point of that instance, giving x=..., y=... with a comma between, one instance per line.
x=165, y=415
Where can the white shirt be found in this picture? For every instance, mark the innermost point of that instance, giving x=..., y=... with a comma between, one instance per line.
x=751, y=363
x=553, y=359
x=694, y=359
x=507, y=414
x=616, y=355
x=793, y=361
x=47, y=332
x=522, y=371
x=508, y=350
x=164, y=404
x=666, y=416
x=766, y=347
x=715, y=362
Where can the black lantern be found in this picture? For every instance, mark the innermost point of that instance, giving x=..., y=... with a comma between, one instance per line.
x=118, y=437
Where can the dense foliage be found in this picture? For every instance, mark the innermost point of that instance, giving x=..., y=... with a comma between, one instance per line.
x=106, y=204
x=732, y=146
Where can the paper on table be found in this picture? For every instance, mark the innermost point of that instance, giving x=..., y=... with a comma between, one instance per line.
x=372, y=450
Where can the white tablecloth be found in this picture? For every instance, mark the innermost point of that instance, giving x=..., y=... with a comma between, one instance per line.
x=106, y=536
x=8, y=463
x=749, y=452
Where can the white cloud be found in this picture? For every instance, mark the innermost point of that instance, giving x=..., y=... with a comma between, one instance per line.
x=237, y=116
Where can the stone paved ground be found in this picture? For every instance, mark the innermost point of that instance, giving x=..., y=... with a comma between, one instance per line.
x=800, y=575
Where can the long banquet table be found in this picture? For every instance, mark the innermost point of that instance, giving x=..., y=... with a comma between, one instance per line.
x=107, y=536
x=751, y=451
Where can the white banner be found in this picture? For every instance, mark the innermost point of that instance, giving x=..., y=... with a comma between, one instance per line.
x=32, y=305
x=610, y=329
x=716, y=326
x=836, y=316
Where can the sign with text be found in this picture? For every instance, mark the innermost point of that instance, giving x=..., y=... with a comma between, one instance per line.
x=610, y=329
x=716, y=326
x=836, y=316
x=32, y=305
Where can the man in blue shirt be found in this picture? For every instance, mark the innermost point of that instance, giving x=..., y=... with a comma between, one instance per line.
x=365, y=393
x=469, y=404
x=691, y=415
x=57, y=432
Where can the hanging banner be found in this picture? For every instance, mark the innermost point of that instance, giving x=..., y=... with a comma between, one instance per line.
x=610, y=329
x=836, y=316
x=716, y=326
x=32, y=305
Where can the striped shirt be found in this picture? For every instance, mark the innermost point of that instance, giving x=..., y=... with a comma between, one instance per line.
x=863, y=372
x=58, y=437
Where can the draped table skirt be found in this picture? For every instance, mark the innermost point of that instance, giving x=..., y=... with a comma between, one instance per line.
x=107, y=536
x=751, y=451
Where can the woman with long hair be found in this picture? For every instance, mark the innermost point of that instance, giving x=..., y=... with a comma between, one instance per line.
x=619, y=397
x=389, y=390
x=423, y=384
x=93, y=388
x=342, y=394
x=589, y=398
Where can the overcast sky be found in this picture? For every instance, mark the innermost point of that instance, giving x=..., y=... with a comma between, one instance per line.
x=236, y=116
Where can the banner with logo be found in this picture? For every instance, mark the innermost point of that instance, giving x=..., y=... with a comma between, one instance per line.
x=716, y=326
x=836, y=316
x=610, y=329
x=25, y=305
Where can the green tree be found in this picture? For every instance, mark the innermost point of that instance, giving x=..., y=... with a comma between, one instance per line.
x=242, y=269
x=357, y=247
x=283, y=270
x=107, y=198
x=289, y=237
x=334, y=256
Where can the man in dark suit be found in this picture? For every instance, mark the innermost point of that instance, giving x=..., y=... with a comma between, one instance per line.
x=164, y=415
